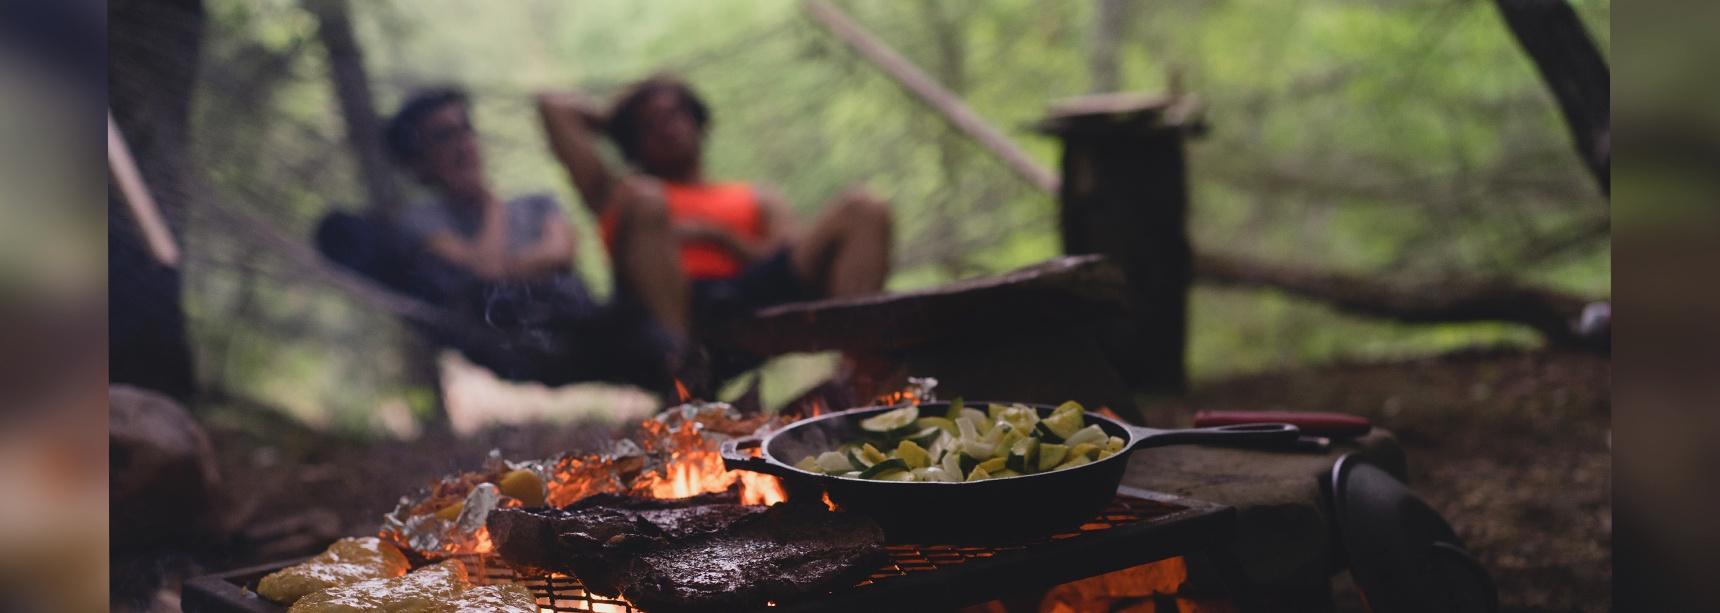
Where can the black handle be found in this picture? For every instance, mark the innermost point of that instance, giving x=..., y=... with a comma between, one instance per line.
x=736, y=459
x=1238, y=435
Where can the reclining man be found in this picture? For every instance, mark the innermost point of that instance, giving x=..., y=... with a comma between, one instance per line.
x=509, y=262
x=739, y=248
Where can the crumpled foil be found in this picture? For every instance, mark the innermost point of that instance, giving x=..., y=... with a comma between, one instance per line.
x=623, y=466
x=922, y=389
x=430, y=534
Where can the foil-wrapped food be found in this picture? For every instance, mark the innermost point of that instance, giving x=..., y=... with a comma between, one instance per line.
x=449, y=516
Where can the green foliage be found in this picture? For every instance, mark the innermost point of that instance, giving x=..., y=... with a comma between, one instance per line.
x=1406, y=138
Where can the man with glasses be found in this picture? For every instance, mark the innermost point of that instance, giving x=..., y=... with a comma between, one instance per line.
x=509, y=261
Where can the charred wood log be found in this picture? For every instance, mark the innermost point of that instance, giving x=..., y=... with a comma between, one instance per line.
x=1556, y=315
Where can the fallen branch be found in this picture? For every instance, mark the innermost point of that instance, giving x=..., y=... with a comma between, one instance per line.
x=1554, y=314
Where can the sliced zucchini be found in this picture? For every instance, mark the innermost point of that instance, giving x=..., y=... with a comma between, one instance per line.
x=1020, y=417
x=889, y=465
x=913, y=454
x=1114, y=444
x=871, y=454
x=832, y=463
x=1073, y=461
x=994, y=410
x=1068, y=407
x=993, y=465
x=1065, y=424
x=1045, y=434
x=1005, y=473
x=955, y=409
x=979, y=474
x=1024, y=455
x=1084, y=450
x=890, y=421
x=809, y=464
x=1051, y=454
x=858, y=460
x=966, y=462
x=895, y=475
x=925, y=437
x=1103, y=453
x=942, y=423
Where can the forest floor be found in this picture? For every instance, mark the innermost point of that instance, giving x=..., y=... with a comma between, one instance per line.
x=1512, y=447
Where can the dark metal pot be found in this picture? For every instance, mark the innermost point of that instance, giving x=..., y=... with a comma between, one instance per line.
x=981, y=511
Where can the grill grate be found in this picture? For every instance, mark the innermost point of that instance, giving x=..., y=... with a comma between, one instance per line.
x=563, y=593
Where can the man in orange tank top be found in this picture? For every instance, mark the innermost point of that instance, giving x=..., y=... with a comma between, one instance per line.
x=738, y=245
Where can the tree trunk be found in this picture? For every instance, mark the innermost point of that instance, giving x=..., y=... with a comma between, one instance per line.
x=352, y=88
x=153, y=52
x=1554, y=37
x=1107, y=34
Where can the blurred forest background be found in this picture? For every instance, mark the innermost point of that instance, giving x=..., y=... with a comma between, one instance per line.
x=1409, y=139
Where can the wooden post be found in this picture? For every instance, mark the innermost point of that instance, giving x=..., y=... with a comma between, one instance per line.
x=1124, y=194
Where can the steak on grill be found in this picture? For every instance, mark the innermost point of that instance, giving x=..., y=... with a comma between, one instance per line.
x=530, y=539
x=782, y=554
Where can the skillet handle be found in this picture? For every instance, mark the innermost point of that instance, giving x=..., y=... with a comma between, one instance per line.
x=736, y=459
x=1257, y=436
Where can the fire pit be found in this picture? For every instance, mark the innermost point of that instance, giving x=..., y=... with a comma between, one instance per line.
x=1138, y=527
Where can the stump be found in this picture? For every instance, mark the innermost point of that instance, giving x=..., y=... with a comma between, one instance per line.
x=1124, y=194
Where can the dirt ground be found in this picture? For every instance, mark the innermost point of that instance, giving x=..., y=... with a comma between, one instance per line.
x=1511, y=447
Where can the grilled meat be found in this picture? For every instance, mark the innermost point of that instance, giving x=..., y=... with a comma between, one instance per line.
x=785, y=553
x=531, y=539
x=706, y=553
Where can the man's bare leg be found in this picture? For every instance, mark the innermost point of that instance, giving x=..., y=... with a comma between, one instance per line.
x=647, y=264
x=847, y=252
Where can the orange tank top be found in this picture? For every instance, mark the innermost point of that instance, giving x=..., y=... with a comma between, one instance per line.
x=731, y=206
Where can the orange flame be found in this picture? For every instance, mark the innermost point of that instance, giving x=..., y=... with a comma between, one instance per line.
x=905, y=396
x=692, y=466
x=681, y=390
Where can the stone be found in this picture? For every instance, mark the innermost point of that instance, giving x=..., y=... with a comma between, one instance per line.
x=162, y=472
x=1284, y=538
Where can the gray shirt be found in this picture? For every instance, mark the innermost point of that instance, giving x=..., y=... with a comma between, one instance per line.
x=527, y=216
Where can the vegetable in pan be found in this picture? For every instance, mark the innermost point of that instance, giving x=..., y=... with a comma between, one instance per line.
x=966, y=444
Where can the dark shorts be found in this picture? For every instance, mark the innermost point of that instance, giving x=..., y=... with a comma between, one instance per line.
x=767, y=282
x=559, y=334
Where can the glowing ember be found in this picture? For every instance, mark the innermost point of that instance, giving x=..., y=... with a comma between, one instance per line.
x=482, y=543
x=1104, y=592
x=681, y=390
x=919, y=389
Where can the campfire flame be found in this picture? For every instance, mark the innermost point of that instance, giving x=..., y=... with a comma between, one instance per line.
x=690, y=466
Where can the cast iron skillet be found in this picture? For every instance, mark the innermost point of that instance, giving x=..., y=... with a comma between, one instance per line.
x=984, y=511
